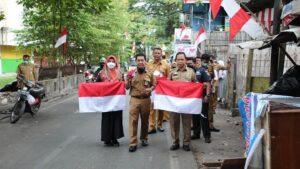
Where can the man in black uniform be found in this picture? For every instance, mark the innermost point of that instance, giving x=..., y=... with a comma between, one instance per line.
x=200, y=121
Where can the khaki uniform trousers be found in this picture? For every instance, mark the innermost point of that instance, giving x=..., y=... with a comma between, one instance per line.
x=213, y=101
x=175, y=127
x=153, y=120
x=138, y=107
x=166, y=116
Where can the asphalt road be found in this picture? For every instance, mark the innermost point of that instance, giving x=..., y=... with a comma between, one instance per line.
x=61, y=138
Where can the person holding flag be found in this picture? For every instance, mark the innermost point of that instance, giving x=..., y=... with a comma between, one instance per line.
x=111, y=125
x=186, y=74
x=140, y=83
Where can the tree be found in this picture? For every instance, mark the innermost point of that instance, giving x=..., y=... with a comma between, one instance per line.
x=161, y=17
x=1, y=16
x=43, y=21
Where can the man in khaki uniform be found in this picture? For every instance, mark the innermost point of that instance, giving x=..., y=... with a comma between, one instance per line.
x=182, y=73
x=140, y=84
x=158, y=68
x=26, y=69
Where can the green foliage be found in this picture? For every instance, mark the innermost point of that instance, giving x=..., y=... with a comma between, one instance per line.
x=2, y=16
x=157, y=20
x=96, y=27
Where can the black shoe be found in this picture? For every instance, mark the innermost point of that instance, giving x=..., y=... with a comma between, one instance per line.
x=108, y=143
x=174, y=147
x=152, y=131
x=214, y=129
x=132, y=149
x=145, y=143
x=207, y=140
x=160, y=129
x=186, y=147
x=115, y=143
x=195, y=137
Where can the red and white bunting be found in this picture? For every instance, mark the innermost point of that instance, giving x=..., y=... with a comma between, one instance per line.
x=240, y=20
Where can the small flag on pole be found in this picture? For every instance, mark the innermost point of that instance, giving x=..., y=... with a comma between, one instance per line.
x=201, y=36
x=63, y=38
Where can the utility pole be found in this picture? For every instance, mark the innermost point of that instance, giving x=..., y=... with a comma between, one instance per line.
x=275, y=48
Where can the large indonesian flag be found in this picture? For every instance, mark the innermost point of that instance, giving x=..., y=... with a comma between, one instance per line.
x=179, y=97
x=101, y=97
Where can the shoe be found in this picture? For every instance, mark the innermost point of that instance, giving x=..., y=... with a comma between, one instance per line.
x=207, y=140
x=115, y=143
x=214, y=129
x=108, y=143
x=132, y=149
x=145, y=143
x=186, y=147
x=160, y=129
x=174, y=147
x=152, y=131
x=195, y=137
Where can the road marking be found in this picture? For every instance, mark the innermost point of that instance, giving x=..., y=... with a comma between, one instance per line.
x=54, y=153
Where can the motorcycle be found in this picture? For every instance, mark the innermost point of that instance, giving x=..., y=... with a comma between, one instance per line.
x=29, y=99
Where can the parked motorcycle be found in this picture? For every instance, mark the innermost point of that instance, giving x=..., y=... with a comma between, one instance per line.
x=29, y=99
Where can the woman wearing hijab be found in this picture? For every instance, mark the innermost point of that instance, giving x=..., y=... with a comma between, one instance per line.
x=111, y=126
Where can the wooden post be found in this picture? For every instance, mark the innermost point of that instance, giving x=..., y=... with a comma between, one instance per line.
x=275, y=48
x=249, y=71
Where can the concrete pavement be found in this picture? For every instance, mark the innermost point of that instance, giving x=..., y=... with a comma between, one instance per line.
x=61, y=138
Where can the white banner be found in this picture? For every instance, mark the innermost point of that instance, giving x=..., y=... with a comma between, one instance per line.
x=183, y=34
x=189, y=50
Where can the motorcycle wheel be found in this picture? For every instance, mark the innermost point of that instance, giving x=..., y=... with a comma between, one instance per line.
x=17, y=112
x=35, y=108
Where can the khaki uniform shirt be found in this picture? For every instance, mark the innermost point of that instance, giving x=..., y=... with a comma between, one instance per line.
x=28, y=70
x=162, y=67
x=186, y=75
x=139, y=83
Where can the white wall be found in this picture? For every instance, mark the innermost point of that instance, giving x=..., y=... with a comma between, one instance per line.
x=13, y=20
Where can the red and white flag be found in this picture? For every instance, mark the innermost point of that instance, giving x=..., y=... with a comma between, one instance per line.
x=179, y=97
x=201, y=36
x=63, y=38
x=215, y=7
x=240, y=20
x=102, y=97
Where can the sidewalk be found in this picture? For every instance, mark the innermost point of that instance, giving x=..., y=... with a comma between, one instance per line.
x=226, y=144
